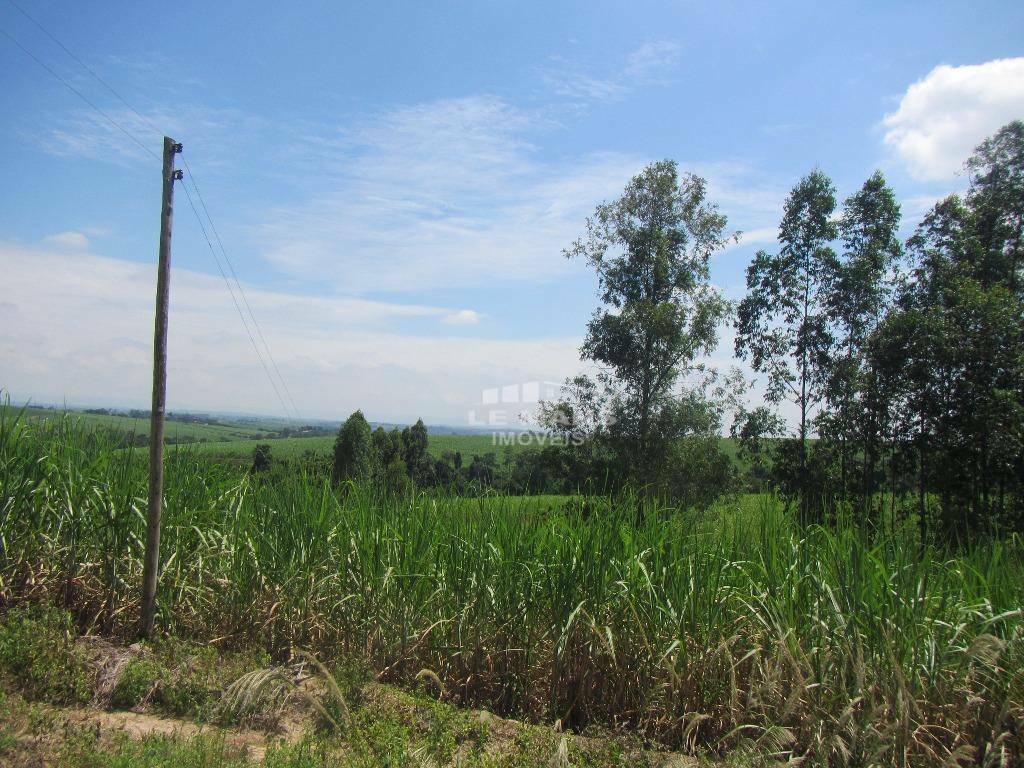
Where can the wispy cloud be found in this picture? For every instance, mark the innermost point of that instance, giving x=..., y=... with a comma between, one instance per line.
x=758, y=236
x=915, y=207
x=650, y=64
x=218, y=136
x=462, y=317
x=453, y=193
x=445, y=193
x=70, y=239
x=652, y=61
x=450, y=193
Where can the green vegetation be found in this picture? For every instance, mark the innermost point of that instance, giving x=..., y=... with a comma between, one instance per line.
x=907, y=365
x=707, y=632
x=297, y=447
x=630, y=424
x=864, y=608
x=236, y=439
x=37, y=653
x=176, y=430
x=344, y=720
x=181, y=678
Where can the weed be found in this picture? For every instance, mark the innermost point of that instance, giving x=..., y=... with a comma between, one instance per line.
x=38, y=654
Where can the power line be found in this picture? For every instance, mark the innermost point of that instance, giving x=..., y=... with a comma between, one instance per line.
x=209, y=244
x=85, y=66
x=245, y=300
x=79, y=94
x=213, y=227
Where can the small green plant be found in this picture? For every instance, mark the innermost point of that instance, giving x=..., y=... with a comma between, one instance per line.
x=38, y=655
x=140, y=678
x=8, y=731
x=441, y=736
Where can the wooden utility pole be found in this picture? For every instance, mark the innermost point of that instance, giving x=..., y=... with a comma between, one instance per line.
x=151, y=565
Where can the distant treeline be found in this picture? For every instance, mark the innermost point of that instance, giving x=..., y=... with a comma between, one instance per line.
x=399, y=460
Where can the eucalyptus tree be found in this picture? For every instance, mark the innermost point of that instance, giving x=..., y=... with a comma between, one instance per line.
x=782, y=324
x=857, y=292
x=650, y=249
x=950, y=356
x=996, y=199
x=415, y=442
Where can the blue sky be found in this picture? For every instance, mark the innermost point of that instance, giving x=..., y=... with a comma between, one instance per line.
x=395, y=182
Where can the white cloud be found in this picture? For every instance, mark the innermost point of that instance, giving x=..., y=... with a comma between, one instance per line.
x=70, y=239
x=942, y=117
x=462, y=317
x=759, y=235
x=78, y=328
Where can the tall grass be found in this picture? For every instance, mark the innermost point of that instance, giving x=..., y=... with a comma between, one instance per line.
x=737, y=627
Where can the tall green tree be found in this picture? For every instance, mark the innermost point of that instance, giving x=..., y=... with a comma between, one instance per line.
x=996, y=201
x=950, y=356
x=353, y=450
x=261, y=460
x=387, y=445
x=782, y=324
x=650, y=249
x=857, y=293
x=415, y=442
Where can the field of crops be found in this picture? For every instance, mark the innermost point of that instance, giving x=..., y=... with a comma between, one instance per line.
x=294, y=447
x=704, y=632
x=237, y=439
x=174, y=430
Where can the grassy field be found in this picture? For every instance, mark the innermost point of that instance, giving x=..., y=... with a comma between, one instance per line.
x=237, y=439
x=234, y=440
x=736, y=629
x=172, y=429
x=294, y=447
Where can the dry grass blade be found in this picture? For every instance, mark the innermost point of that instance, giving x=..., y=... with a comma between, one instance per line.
x=258, y=695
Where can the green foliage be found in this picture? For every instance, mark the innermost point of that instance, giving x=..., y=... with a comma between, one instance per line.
x=530, y=606
x=395, y=476
x=414, y=451
x=293, y=448
x=910, y=377
x=181, y=678
x=353, y=450
x=782, y=325
x=387, y=446
x=857, y=294
x=755, y=431
x=261, y=460
x=650, y=249
x=139, y=679
x=38, y=653
x=948, y=359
